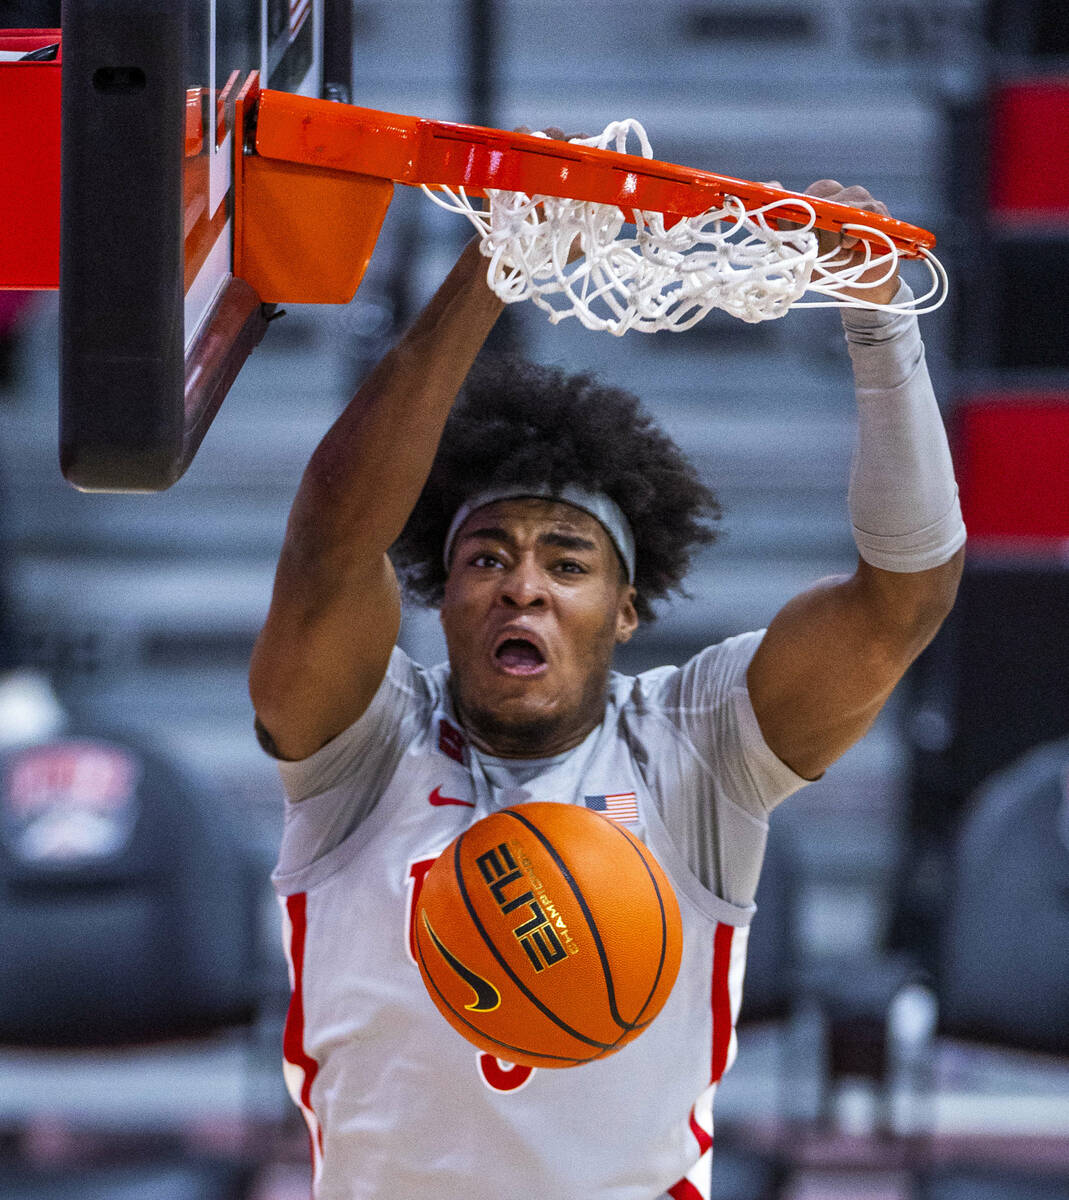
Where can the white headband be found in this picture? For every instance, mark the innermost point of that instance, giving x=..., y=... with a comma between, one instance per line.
x=602, y=508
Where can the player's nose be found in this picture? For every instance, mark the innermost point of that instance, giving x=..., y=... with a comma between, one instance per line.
x=523, y=586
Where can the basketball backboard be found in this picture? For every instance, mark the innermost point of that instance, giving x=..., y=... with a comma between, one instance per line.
x=154, y=326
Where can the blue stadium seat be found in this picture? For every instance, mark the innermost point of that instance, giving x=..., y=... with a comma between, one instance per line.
x=1003, y=973
x=130, y=917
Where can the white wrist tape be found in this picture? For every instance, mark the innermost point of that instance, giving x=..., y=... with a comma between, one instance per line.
x=903, y=498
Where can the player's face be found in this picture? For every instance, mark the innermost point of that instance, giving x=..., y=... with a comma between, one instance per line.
x=535, y=603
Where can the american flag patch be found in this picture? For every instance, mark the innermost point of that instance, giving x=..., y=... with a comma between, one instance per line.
x=622, y=806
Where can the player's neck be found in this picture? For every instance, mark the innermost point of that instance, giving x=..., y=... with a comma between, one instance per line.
x=526, y=738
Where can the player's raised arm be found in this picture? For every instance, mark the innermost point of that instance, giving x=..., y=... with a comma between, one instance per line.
x=833, y=655
x=335, y=609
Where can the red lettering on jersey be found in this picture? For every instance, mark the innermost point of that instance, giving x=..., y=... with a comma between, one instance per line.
x=451, y=741
x=501, y=1076
x=417, y=873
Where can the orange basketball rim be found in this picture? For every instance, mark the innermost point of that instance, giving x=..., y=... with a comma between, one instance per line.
x=323, y=172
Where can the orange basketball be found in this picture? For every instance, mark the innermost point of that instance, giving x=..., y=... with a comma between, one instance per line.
x=548, y=935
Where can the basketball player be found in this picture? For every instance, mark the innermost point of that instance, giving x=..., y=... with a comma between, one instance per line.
x=544, y=521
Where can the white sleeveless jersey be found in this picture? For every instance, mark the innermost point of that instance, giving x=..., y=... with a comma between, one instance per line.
x=397, y=1103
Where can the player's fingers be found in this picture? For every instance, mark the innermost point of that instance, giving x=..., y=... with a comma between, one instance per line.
x=551, y=131
x=824, y=189
x=865, y=203
x=855, y=196
x=859, y=197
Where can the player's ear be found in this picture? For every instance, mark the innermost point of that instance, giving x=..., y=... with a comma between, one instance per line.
x=626, y=616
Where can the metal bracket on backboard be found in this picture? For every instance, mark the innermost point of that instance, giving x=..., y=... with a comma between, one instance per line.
x=303, y=233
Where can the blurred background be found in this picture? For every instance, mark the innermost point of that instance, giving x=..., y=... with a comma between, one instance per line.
x=906, y=1025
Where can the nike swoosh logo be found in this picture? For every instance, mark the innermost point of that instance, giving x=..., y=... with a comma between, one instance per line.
x=487, y=997
x=438, y=800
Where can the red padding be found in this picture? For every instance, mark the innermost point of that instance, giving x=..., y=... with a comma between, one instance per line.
x=29, y=146
x=1013, y=466
x=1029, y=166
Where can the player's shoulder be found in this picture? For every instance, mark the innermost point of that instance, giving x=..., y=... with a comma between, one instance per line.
x=705, y=679
x=398, y=717
x=409, y=681
x=408, y=698
x=406, y=695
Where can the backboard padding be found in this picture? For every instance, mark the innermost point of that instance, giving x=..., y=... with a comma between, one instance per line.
x=122, y=342
x=152, y=329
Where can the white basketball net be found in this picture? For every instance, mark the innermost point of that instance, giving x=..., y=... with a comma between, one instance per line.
x=647, y=277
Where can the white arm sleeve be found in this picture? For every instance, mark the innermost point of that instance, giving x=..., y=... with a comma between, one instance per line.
x=903, y=499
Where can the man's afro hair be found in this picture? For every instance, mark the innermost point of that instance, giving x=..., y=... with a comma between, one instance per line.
x=519, y=423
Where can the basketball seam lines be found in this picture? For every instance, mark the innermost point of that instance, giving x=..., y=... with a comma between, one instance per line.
x=475, y=1028
x=625, y=1026
x=664, y=923
x=558, y=1021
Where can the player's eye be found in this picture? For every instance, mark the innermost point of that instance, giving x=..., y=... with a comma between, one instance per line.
x=571, y=566
x=485, y=559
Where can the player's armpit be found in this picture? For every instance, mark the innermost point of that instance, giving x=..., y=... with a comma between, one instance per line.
x=833, y=655
x=263, y=736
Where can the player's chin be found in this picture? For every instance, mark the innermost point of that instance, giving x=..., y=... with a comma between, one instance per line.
x=526, y=735
x=523, y=701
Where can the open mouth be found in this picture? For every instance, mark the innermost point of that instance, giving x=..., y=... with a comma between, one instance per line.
x=518, y=656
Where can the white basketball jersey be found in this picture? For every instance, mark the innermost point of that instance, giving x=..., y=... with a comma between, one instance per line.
x=397, y=1103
